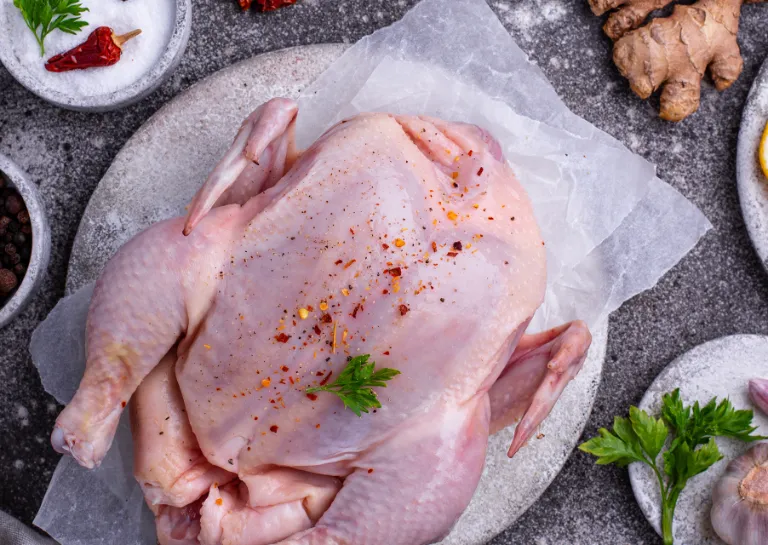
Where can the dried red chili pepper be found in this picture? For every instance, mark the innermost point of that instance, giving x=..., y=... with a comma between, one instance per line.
x=266, y=5
x=102, y=48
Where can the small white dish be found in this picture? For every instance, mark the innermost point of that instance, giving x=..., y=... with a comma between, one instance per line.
x=41, y=240
x=719, y=368
x=751, y=182
x=124, y=96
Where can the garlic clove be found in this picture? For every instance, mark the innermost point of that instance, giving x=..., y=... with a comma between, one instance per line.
x=758, y=392
x=740, y=499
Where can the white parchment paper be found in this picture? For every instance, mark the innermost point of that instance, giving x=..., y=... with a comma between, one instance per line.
x=612, y=227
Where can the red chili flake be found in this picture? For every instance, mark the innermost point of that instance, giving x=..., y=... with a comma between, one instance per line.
x=317, y=426
x=310, y=308
x=480, y=172
x=284, y=368
x=326, y=379
x=385, y=246
x=470, y=153
x=384, y=292
x=290, y=379
x=403, y=310
x=354, y=312
x=218, y=389
x=350, y=263
x=434, y=246
x=123, y=404
x=282, y=338
x=320, y=374
x=452, y=254
x=313, y=397
x=386, y=353
x=273, y=428
x=326, y=318
x=490, y=217
x=339, y=262
x=255, y=417
x=272, y=401
x=351, y=230
x=395, y=271
x=316, y=329
x=370, y=470
x=457, y=245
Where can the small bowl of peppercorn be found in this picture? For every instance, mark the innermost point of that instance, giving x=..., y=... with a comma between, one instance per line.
x=25, y=240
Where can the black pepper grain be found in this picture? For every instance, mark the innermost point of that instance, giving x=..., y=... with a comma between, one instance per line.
x=13, y=204
x=8, y=281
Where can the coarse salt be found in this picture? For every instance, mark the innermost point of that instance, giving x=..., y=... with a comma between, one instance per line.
x=155, y=18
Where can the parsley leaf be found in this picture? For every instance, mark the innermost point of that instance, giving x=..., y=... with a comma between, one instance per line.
x=44, y=16
x=621, y=447
x=692, y=450
x=354, y=384
x=651, y=432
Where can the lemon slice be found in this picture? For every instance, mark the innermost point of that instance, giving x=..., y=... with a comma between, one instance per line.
x=762, y=151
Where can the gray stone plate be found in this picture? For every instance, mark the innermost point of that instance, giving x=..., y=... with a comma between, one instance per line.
x=158, y=171
x=752, y=184
x=718, y=368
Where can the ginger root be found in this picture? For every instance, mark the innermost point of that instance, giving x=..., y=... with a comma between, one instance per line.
x=674, y=51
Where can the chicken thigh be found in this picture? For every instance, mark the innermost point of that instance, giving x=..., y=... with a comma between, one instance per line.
x=405, y=238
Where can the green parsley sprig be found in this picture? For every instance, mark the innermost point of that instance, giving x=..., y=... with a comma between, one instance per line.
x=692, y=450
x=354, y=384
x=44, y=16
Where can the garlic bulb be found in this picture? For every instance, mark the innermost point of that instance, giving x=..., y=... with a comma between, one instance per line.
x=758, y=392
x=740, y=499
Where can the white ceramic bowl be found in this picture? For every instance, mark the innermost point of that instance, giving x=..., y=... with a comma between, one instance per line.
x=41, y=240
x=150, y=81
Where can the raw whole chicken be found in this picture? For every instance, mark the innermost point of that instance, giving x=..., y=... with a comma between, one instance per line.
x=400, y=237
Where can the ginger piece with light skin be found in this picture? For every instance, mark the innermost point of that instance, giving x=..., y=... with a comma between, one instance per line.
x=674, y=51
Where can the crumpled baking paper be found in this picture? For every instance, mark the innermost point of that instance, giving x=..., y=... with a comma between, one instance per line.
x=612, y=227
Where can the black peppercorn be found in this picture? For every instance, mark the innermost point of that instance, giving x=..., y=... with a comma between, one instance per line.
x=19, y=239
x=13, y=204
x=5, y=221
x=8, y=281
x=25, y=252
x=14, y=259
x=23, y=217
x=7, y=237
x=10, y=249
x=14, y=226
x=19, y=269
x=26, y=229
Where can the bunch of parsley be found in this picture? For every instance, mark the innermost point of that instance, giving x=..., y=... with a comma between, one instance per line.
x=692, y=448
x=44, y=16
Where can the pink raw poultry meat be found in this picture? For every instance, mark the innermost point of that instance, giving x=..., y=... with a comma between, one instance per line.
x=402, y=237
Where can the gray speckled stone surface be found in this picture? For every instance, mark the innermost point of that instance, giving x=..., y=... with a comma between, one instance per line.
x=718, y=289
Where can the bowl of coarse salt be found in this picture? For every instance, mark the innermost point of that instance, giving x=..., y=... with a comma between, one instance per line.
x=104, y=64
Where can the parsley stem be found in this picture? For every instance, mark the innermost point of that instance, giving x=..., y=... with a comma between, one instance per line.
x=41, y=41
x=668, y=515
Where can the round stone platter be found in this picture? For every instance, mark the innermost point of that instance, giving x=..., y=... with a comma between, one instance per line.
x=158, y=171
x=752, y=184
x=719, y=368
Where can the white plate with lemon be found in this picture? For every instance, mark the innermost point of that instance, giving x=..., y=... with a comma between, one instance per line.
x=752, y=164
